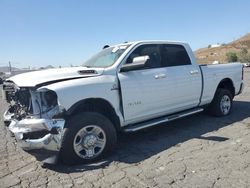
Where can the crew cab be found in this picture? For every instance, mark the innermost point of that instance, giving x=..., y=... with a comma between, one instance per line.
x=74, y=114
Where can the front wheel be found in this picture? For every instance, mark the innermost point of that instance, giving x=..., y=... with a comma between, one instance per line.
x=222, y=103
x=87, y=137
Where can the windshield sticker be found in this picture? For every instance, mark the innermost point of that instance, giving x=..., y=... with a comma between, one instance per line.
x=123, y=47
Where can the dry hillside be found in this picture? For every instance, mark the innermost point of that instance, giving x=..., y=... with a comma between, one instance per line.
x=208, y=55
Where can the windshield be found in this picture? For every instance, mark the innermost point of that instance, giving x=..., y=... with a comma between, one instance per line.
x=106, y=57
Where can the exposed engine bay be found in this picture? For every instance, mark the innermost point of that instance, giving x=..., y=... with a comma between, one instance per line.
x=28, y=102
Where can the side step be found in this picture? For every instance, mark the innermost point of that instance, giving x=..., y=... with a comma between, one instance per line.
x=150, y=123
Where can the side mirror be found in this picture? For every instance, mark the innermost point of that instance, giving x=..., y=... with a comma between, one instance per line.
x=137, y=63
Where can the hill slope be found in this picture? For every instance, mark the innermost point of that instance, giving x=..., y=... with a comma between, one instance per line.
x=208, y=55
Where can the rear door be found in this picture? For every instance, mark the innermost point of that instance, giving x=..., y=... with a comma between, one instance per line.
x=183, y=77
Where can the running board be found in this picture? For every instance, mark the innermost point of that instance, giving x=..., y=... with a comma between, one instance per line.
x=150, y=123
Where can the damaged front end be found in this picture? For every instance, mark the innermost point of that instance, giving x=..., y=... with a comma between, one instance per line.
x=36, y=119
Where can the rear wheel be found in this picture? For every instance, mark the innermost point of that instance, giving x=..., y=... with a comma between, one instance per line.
x=87, y=137
x=222, y=103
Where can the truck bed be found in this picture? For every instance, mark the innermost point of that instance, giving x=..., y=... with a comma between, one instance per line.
x=214, y=74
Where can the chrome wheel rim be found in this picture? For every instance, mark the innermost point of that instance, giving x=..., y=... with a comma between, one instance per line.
x=89, y=142
x=225, y=104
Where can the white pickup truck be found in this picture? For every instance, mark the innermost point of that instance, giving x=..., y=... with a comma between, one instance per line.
x=75, y=114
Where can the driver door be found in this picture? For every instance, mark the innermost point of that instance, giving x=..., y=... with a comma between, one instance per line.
x=144, y=90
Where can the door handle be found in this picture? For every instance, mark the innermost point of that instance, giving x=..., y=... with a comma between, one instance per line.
x=193, y=72
x=159, y=76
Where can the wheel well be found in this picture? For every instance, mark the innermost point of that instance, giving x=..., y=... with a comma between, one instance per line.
x=227, y=84
x=96, y=105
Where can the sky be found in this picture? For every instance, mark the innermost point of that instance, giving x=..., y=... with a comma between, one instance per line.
x=37, y=33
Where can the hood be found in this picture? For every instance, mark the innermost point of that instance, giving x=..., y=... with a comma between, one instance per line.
x=44, y=77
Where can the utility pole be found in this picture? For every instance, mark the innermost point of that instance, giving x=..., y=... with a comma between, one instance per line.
x=10, y=67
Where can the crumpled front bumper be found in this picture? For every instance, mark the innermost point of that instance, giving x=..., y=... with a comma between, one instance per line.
x=40, y=137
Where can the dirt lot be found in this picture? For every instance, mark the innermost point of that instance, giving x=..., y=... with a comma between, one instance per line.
x=197, y=151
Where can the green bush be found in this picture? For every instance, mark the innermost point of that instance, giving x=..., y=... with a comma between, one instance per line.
x=231, y=57
x=244, y=56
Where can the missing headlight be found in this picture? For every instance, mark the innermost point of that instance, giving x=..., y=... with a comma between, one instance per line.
x=50, y=98
x=48, y=104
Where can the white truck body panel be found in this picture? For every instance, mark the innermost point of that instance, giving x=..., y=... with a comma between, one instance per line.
x=214, y=74
x=141, y=102
x=32, y=79
x=102, y=87
x=143, y=96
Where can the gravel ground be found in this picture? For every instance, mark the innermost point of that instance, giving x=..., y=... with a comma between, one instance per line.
x=197, y=151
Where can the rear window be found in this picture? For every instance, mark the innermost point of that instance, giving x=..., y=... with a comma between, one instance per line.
x=174, y=55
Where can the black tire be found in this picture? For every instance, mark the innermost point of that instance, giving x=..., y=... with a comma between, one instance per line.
x=76, y=123
x=215, y=106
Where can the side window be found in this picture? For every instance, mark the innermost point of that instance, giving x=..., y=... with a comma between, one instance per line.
x=152, y=50
x=174, y=55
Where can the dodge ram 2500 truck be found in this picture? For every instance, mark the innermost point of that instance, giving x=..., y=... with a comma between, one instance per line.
x=74, y=114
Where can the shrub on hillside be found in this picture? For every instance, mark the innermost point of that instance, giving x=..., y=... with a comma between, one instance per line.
x=244, y=56
x=231, y=57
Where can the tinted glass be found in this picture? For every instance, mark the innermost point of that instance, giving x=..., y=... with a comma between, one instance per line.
x=174, y=55
x=152, y=50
